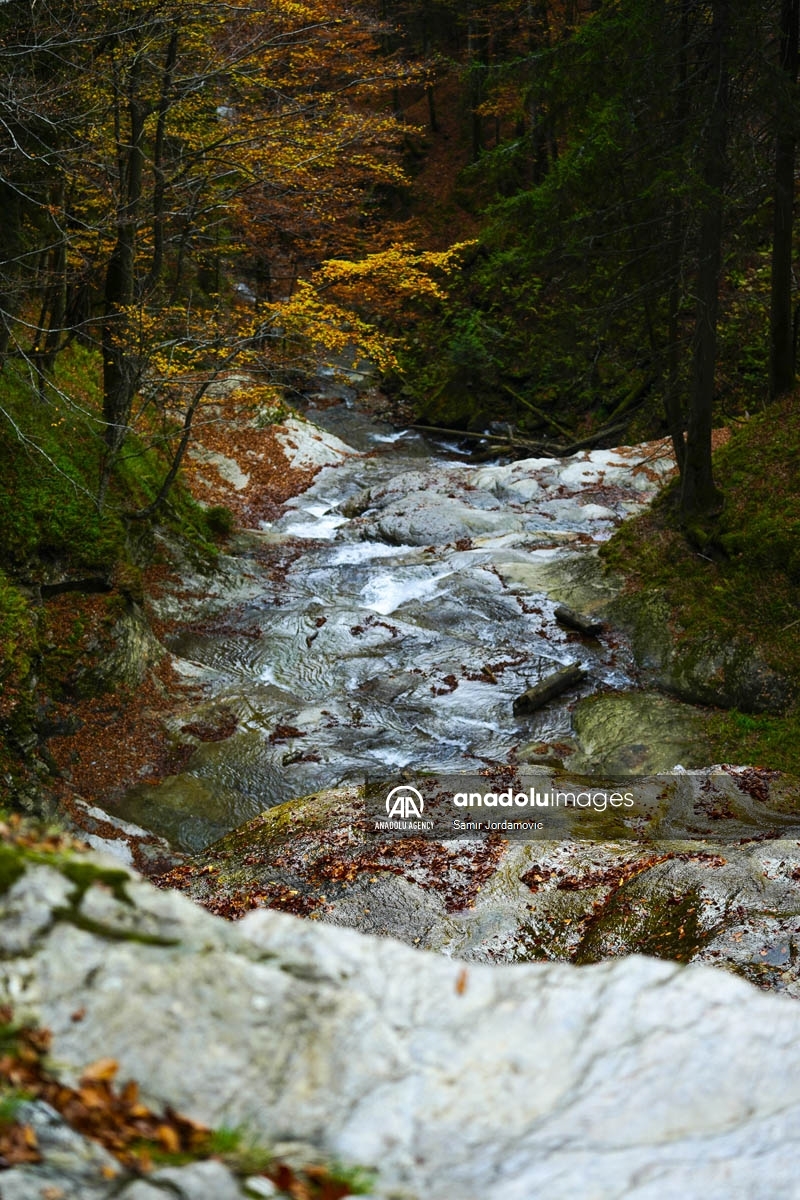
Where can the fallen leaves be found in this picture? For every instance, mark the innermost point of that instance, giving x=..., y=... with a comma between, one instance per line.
x=116, y=1117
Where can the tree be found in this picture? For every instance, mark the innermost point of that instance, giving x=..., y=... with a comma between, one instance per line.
x=699, y=495
x=185, y=120
x=599, y=285
x=782, y=338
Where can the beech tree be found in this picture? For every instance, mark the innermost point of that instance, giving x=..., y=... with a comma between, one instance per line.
x=192, y=134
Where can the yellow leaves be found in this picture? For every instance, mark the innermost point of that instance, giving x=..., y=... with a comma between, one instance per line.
x=329, y=310
x=401, y=268
x=169, y=1139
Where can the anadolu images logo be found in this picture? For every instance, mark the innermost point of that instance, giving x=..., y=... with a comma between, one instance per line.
x=404, y=802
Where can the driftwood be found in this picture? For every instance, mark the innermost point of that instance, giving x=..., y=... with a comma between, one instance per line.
x=547, y=689
x=574, y=620
x=511, y=442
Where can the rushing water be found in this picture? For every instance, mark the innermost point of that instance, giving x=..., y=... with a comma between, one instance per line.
x=389, y=619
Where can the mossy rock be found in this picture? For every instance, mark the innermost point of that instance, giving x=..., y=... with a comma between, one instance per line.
x=703, y=667
x=645, y=733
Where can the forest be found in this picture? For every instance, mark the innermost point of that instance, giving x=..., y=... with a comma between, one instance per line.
x=541, y=227
x=556, y=226
x=563, y=215
x=394, y=393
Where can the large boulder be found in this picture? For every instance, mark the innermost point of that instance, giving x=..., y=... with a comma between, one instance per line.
x=635, y=1077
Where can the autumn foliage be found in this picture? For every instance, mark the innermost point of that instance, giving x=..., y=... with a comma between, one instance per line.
x=114, y=1116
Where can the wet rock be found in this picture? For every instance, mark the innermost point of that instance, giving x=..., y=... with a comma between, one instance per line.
x=434, y=520
x=637, y=732
x=703, y=847
x=356, y=505
x=579, y=580
x=481, y=1082
x=134, y=651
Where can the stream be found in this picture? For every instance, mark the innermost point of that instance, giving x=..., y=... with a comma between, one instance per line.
x=388, y=620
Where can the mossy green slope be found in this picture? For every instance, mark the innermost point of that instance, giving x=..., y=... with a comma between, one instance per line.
x=53, y=534
x=743, y=586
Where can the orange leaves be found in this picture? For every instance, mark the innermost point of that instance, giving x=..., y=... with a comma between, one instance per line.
x=18, y=1145
x=313, y=1183
x=96, y=1108
x=138, y=1138
x=102, y=1071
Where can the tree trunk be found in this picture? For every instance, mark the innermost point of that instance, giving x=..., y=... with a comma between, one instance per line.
x=673, y=407
x=699, y=495
x=781, y=341
x=120, y=362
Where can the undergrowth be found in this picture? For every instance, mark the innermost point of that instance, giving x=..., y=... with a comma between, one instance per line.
x=52, y=534
x=745, y=583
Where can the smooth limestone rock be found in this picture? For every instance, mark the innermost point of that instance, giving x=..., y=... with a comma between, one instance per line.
x=306, y=445
x=633, y=1078
x=637, y=732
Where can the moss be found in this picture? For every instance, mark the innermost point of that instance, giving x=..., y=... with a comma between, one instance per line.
x=11, y=1099
x=763, y=740
x=12, y=867
x=16, y=856
x=50, y=456
x=110, y=933
x=646, y=920
x=17, y=630
x=220, y=520
x=85, y=874
x=741, y=589
x=51, y=532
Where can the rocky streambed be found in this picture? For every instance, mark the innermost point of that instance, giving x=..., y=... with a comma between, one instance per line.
x=390, y=617
x=383, y=626
x=385, y=623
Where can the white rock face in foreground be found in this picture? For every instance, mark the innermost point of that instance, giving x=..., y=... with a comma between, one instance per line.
x=633, y=1078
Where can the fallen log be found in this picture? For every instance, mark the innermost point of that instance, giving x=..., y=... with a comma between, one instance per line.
x=547, y=689
x=575, y=620
x=536, y=448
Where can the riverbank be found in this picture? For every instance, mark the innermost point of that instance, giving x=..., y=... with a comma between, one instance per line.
x=719, y=623
x=87, y=688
